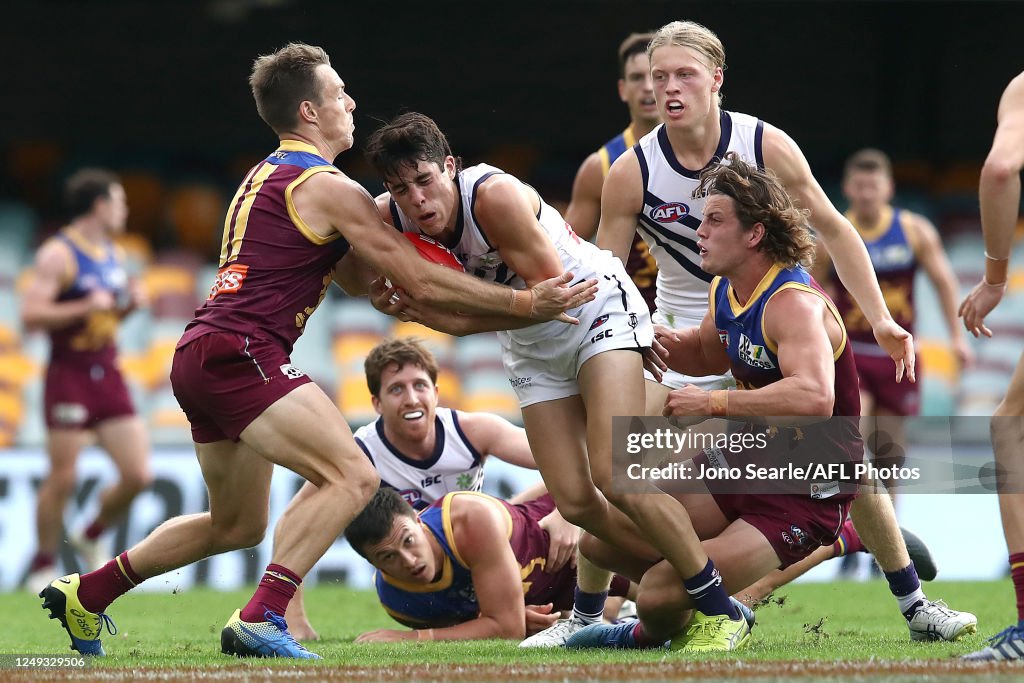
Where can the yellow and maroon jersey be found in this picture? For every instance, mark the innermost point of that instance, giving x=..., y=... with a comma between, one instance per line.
x=274, y=270
x=94, y=266
x=892, y=257
x=754, y=363
x=640, y=265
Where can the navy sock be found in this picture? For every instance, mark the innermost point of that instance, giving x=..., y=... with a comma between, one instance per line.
x=708, y=594
x=589, y=607
x=905, y=585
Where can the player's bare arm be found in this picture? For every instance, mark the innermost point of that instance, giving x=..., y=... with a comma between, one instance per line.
x=584, y=211
x=51, y=274
x=850, y=256
x=354, y=275
x=622, y=198
x=999, y=193
x=494, y=435
x=929, y=253
x=694, y=351
x=331, y=203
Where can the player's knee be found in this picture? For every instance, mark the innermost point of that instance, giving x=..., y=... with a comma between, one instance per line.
x=61, y=482
x=136, y=481
x=363, y=481
x=244, y=534
x=580, y=509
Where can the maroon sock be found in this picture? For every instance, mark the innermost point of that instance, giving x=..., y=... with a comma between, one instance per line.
x=642, y=639
x=848, y=542
x=40, y=560
x=1017, y=572
x=101, y=587
x=276, y=589
x=93, y=531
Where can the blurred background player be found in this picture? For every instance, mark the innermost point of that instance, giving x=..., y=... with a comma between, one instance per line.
x=999, y=193
x=584, y=211
x=898, y=241
x=78, y=293
x=469, y=567
x=424, y=451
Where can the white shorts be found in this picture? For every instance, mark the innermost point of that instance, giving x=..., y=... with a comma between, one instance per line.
x=676, y=380
x=544, y=360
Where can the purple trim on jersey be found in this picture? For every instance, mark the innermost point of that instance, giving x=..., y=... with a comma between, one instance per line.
x=477, y=458
x=645, y=172
x=419, y=464
x=396, y=217
x=758, y=139
x=362, y=445
x=688, y=265
x=460, y=218
x=723, y=146
x=472, y=204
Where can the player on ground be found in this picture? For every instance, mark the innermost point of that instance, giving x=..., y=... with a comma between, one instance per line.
x=999, y=193
x=294, y=216
x=471, y=567
x=784, y=341
x=584, y=211
x=898, y=241
x=78, y=293
x=654, y=184
x=424, y=451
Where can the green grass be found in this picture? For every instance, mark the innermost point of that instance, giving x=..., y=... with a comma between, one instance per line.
x=837, y=621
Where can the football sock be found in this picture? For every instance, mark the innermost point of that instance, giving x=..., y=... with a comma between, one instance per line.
x=100, y=588
x=588, y=607
x=93, y=531
x=905, y=585
x=1017, y=572
x=276, y=589
x=708, y=594
x=848, y=541
x=41, y=560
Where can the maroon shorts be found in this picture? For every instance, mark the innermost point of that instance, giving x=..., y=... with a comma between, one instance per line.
x=81, y=395
x=795, y=526
x=878, y=379
x=223, y=381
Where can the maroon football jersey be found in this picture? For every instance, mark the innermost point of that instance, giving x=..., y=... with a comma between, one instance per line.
x=274, y=270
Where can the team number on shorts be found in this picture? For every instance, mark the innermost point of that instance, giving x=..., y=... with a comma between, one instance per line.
x=229, y=280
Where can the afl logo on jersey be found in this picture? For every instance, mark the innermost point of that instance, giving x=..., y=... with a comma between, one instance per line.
x=670, y=213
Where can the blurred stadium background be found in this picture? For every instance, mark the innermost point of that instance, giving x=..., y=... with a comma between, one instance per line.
x=158, y=93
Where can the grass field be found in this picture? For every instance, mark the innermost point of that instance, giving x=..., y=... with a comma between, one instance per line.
x=809, y=630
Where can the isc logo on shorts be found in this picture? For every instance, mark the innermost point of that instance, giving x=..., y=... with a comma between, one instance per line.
x=291, y=372
x=70, y=413
x=229, y=280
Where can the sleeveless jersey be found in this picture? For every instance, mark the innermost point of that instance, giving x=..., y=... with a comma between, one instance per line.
x=892, y=256
x=274, y=271
x=455, y=464
x=482, y=260
x=754, y=364
x=640, y=264
x=96, y=266
x=452, y=598
x=671, y=214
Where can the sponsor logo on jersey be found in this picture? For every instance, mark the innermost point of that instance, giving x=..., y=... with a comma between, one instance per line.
x=598, y=321
x=670, y=213
x=753, y=355
x=821, y=491
x=229, y=280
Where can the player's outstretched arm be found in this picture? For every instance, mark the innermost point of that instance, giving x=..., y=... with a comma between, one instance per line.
x=849, y=255
x=929, y=253
x=332, y=200
x=999, y=194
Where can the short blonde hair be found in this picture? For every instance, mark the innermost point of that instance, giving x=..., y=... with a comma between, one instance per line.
x=694, y=36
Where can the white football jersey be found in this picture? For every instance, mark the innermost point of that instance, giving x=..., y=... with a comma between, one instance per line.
x=671, y=214
x=455, y=464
